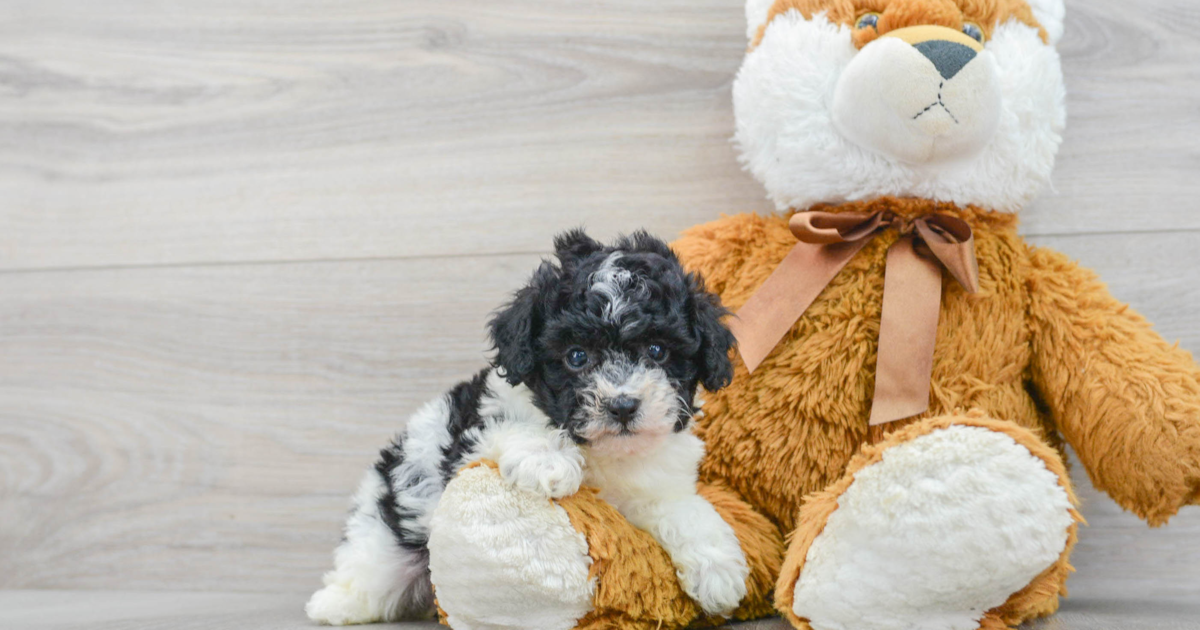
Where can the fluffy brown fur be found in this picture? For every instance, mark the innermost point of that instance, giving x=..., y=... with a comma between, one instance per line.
x=1042, y=347
x=897, y=14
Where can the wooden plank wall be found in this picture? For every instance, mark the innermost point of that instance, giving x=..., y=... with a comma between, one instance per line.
x=241, y=239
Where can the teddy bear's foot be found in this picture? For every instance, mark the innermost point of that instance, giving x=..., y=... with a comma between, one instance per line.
x=948, y=524
x=502, y=557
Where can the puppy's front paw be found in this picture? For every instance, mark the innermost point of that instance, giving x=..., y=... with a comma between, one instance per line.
x=552, y=474
x=718, y=586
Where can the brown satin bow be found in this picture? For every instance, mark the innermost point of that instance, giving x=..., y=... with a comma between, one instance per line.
x=912, y=289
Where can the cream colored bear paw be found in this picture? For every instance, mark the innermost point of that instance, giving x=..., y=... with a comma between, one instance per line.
x=942, y=529
x=506, y=558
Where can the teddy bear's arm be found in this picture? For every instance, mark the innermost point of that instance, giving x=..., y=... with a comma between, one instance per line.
x=1126, y=400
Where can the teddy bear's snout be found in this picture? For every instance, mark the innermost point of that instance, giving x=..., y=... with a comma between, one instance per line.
x=947, y=49
x=920, y=94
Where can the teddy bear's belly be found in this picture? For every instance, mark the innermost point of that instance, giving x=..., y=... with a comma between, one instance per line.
x=790, y=428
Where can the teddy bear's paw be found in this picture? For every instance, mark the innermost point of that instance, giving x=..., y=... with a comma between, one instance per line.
x=551, y=474
x=941, y=529
x=503, y=557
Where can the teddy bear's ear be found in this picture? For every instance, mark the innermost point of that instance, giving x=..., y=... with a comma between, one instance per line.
x=756, y=15
x=1049, y=13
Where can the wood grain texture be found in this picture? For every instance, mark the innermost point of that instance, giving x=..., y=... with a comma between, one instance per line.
x=240, y=240
x=141, y=610
x=137, y=132
x=201, y=428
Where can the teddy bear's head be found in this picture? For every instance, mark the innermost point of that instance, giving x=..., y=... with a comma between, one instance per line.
x=952, y=100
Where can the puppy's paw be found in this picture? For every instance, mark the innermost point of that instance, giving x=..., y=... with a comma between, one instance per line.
x=552, y=474
x=718, y=586
x=339, y=605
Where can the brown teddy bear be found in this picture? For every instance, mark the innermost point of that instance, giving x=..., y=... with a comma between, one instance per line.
x=917, y=367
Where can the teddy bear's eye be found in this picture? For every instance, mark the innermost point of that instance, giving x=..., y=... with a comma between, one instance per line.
x=868, y=20
x=973, y=31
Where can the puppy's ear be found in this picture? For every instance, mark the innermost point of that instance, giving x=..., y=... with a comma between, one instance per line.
x=715, y=339
x=643, y=241
x=575, y=244
x=515, y=327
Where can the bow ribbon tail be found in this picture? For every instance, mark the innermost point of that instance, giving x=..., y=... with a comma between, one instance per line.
x=912, y=297
x=794, y=285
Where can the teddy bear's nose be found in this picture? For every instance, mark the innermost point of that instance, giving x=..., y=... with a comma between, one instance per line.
x=947, y=49
x=948, y=57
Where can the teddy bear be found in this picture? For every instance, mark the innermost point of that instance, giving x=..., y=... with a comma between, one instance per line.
x=891, y=450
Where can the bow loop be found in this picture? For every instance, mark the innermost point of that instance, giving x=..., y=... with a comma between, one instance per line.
x=912, y=293
x=951, y=241
x=827, y=228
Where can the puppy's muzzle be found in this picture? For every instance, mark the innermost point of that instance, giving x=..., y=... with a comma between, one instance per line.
x=622, y=409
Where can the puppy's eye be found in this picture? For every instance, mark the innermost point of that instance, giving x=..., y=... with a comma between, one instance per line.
x=868, y=20
x=973, y=31
x=656, y=352
x=576, y=358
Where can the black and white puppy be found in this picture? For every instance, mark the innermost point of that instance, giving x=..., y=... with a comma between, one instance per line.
x=595, y=379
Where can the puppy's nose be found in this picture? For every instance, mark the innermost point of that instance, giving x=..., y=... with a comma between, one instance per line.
x=622, y=408
x=947, y=57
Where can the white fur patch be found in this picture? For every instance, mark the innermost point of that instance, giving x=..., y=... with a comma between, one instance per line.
x=534, y=458
x=374, y=579
x=944, y=528
x=787, y=138
x=619, y=286
x=1050, y=14
x=656, y=491
x=649, y=475
x=756, y=13
x=518, y=437
x=520, y=545
x=420, y=472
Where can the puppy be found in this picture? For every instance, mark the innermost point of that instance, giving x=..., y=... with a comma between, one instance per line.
x=594, y=381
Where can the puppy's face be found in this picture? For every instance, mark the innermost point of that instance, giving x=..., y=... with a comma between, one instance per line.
x=614, y=341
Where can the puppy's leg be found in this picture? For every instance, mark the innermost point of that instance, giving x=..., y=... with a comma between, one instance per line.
x=708, y=559
x=374, y=577
x=533, y=457
x=662, y=500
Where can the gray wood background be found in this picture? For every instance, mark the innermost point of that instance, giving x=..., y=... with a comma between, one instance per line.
x=240, y=240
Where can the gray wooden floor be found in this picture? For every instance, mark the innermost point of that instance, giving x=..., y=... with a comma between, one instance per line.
x=241, y=239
